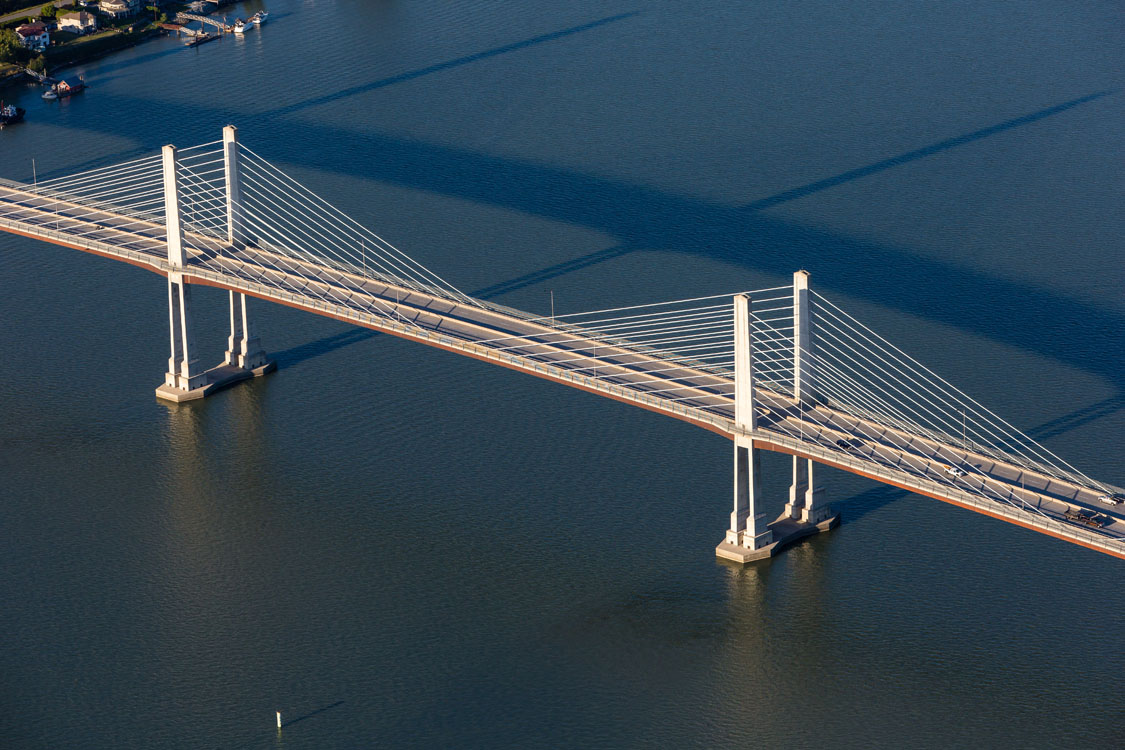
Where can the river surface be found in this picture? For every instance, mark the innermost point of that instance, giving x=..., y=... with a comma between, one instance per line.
x=399, y=547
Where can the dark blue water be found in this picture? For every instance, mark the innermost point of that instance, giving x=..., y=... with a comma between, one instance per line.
x=396, y=546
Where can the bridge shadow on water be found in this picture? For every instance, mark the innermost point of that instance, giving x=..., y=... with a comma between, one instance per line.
x=303, y=352
x=1077, y=418
x=645, y=218
x=440, y=67
x=868, y=502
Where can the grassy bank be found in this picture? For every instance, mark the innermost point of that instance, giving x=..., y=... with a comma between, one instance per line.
x=86, y=48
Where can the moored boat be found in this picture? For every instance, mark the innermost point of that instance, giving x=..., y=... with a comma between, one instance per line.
x=199, y=39
x=259, y=18
x=10, y=114
x=241, y=27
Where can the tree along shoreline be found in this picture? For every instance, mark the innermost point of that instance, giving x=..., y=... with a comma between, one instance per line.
x=83, y=50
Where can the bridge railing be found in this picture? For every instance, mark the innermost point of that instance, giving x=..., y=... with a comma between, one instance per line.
x=367, y=318
x=105, y=248
x=1035, y=519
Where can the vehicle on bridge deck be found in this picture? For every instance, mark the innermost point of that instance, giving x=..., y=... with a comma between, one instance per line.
x=954, y=472
x=1087, y=517
x=1117, y=498
x=849, y=444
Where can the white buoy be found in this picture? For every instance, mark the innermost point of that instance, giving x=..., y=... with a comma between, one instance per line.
x=279, y=720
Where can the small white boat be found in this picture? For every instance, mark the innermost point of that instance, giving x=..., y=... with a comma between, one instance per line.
x=259, y=18
x=240, y=26
x=50, y=95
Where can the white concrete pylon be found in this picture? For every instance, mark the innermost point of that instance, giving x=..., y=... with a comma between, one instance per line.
x=815, y=510
x=252, y=355
x=744, y=416
x=232, y=170
x=184, y=372
x=173, y=224
x=243, y=347
x=747, y=523
x=804, y=365
x=799, y=488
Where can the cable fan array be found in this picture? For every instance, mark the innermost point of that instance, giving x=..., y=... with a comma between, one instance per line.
x=680, y=352
x=124, y=201
x=295, y=233
x=862, y=374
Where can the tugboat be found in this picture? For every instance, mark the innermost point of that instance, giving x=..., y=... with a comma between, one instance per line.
x=10, y=114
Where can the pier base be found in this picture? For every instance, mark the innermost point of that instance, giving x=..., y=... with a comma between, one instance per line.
x=785, y=531
x=214, y=380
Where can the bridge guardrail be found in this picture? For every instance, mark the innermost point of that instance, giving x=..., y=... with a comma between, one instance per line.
x=1086, y=536
x=1058, y=528
x=102, y=247
x=727, y=425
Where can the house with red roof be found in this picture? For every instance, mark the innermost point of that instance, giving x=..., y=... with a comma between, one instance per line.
x=34, y=36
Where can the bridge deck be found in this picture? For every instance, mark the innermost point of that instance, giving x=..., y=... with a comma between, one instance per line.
x=1004, y=490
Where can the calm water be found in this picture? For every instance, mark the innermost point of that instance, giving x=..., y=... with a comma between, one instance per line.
x=400, y=547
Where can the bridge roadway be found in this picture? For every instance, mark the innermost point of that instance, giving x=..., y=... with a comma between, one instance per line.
x=629, y=374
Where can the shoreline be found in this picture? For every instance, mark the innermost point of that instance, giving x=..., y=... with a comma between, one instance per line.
x=103, y=48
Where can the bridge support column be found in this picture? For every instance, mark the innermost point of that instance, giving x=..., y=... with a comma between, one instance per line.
x=806, y=498
x=243, y=347
x=748, y=533
x=799, y=489
x=817, y=512
x=184, y=373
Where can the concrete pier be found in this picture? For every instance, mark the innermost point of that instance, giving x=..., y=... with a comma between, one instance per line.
x=212, y=380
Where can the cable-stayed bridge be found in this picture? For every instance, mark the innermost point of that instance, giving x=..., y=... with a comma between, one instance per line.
x=781, y=369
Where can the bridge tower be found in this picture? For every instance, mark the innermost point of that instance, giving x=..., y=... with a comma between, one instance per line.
x=244, y=350
x=806, y=499
x=749, y=536
x=184, y=374
x=185, y=379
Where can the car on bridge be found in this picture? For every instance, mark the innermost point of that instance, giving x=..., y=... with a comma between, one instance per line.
x=954, y=471
x=847, y=444
x=1086, y=517
x=1116, y=498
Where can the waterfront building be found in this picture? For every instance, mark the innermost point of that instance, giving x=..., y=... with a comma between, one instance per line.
x=80, y=23
x=34, y=36
x=120, y=8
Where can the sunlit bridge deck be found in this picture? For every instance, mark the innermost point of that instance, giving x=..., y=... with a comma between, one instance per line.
x=781, y=369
